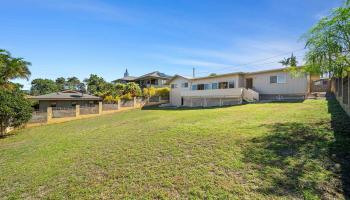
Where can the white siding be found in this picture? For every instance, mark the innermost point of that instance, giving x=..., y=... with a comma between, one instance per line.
x=175, y=93
x=294, y=85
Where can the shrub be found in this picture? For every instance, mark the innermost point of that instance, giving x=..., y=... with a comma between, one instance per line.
x=163, y=92
x=15, y=109
x=127, y=96
x=133, y=89
x=149, y=92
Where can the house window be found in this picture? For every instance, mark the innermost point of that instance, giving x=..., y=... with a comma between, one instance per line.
x=281, y=79
x=223, y=85
x=207, y=86
x=154, y=82
x=53, y=104
x=231, y=84
x=200, y=87
x=273, y=79
x=184, y=85
x=278, y=79
x=173, y=85
x=194, y=87
x=214, y=86
x=74, y=103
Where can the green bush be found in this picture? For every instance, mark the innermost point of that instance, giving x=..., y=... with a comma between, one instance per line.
x=133, y=89
x=149, y=92
x=127, y=96
x=163, y=92
x=15, y=109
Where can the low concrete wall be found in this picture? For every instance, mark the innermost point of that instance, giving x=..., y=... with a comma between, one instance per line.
x=58, y=115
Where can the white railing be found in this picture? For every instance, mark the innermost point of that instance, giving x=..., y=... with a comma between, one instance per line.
x=250, y=95
x=232, y=92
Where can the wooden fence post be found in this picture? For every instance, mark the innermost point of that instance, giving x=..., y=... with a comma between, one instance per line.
x=77, y=110
x=49, y=114
x=100, y=107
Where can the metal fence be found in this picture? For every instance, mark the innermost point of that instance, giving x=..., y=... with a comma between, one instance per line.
x=59, y=112
x=38, y=117
x=87, y=110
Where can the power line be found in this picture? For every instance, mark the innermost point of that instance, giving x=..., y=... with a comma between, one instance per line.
x=256, y=61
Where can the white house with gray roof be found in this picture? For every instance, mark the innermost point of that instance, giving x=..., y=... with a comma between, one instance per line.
x=234, y=88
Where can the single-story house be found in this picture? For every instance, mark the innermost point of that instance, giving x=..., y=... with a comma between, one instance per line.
x=233, y=88
x=65, y=99
x=153, y=79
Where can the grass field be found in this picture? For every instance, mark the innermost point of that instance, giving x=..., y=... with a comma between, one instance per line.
x=256, y=151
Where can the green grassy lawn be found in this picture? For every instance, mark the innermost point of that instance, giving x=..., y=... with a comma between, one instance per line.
x=256, y=151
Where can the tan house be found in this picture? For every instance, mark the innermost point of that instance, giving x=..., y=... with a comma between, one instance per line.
x=65, y=99
x=234, y=88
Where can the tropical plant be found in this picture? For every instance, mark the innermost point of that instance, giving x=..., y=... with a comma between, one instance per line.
x=12, y=68
x=163, y=92
x=289, y=62
x=149, y=92
x=328, y=44
x=43, y=86
x=126, y=96
x=15, y=109
x=133, y=89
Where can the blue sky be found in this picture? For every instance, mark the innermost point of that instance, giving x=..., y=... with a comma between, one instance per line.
x=80, y=37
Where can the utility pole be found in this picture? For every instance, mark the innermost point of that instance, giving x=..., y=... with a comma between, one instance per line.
x=193, y=72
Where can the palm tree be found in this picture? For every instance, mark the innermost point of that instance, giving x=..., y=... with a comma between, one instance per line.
x=12, y=68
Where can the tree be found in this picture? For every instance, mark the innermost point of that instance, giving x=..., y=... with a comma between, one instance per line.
x=61, y=83
x=94, y=84
x=12, y=68
x=72, y=83
x=328, y=44
x=81, y=87
x=43, y=86
x=212, y=74
x=15, y=109
x=289, y=62
x=133, y=89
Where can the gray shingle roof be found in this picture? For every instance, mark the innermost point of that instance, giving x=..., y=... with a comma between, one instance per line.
x=128, y=78
x=65, y=96
x=155, y=74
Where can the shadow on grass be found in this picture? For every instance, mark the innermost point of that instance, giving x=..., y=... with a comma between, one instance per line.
x=156, y=107
x=184, y=108
x=303, y=159
x=340, y=122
